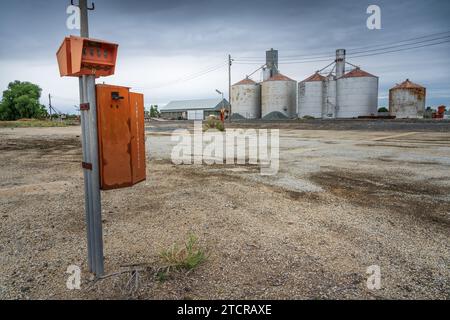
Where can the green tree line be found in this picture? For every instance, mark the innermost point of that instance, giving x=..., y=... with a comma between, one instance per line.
x=21, y=100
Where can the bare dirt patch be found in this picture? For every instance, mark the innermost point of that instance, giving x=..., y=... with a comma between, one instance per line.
x=422, y=200
x=263, y=241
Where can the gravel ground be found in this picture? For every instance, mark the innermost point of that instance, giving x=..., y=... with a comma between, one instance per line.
x=342, y=201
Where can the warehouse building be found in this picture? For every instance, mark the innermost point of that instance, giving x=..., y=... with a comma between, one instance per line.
x=193, y=109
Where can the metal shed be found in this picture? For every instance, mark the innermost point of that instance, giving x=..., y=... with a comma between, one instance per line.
x=193, y=109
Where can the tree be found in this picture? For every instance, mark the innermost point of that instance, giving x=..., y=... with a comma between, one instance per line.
x=21, y=100
x=154, y=113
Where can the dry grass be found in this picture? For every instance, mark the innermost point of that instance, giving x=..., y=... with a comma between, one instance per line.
x=26, y=123
x=186, y=257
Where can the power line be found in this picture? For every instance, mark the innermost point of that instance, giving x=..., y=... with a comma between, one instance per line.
x=186, y=78
x=325, y=54
x=401, y=49
x=359, y=54
x=401, y=45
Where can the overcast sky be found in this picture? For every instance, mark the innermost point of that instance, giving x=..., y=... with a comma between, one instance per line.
x=163, y=41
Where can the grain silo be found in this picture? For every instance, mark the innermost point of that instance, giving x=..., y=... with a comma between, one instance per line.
x=356, y=94
x=339, y=94
x=407, y=100
x=279, y=97
x=246, y=99
x=310, y=96
x=329, y=106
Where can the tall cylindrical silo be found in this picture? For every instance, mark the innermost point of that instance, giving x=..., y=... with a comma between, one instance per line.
x=407, y=100
x=279, y=96
x=356, y=94
x=310, y=96
x=246, y=99
x=329, y=98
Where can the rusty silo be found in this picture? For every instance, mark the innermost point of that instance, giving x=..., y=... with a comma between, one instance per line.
x=407, y=100
x=246, y=99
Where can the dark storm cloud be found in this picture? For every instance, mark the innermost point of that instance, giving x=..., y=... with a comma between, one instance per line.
x=173, y=27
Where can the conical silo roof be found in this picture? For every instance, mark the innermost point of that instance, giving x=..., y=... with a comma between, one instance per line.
x=315, y=77
x=356, y=73
x=408, y=85
x=279, y=77
x=244, y=81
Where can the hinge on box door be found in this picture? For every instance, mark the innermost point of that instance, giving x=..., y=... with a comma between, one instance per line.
x=84, y=106
x=87, y=166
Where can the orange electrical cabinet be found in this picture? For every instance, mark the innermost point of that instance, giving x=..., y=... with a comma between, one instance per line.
x=79, y=56
x=121, y=137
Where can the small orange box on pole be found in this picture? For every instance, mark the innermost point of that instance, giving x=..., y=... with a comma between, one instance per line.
x=121, y=135
x=79, y=56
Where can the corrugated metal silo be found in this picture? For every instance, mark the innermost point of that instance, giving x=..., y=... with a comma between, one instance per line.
x=246, y=99
x=357, y=94
x=407, y=100
x=310, y=96
x=329, y=98
x=279, y=94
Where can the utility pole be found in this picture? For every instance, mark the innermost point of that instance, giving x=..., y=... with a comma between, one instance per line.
x=230, y=62
x=88, y=115
x=50, y=105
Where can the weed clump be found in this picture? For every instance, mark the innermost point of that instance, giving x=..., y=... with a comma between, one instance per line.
x=186, y=257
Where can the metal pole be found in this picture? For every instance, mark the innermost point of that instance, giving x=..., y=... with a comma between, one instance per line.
x=84, y=23
x=95, y=177
x=90, y=156
x=50, y=105
x=229, y=81
x=87, y=183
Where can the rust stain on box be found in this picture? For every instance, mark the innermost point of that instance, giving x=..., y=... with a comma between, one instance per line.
x=121, y=137
x=137, y=136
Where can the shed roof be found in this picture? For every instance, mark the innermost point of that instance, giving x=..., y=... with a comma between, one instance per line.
x=408, y=85
x=279, y=77
x=199, y=104
x=357, y=72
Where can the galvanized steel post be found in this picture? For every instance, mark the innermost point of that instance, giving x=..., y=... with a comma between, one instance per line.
x=90, y=156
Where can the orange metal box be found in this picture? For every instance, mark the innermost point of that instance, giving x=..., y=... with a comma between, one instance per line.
x=84, y=56
x=137, y=136
x=121, y=137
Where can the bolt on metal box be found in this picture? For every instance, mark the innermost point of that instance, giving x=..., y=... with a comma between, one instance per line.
x=79, y=56
x=121, y=137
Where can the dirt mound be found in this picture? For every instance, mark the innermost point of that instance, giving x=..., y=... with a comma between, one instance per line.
x=237, y=116
x=276, y=115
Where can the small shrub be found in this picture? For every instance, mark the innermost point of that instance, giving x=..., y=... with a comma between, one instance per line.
x=213, y=123
x=187, y=257
x=383, y=109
